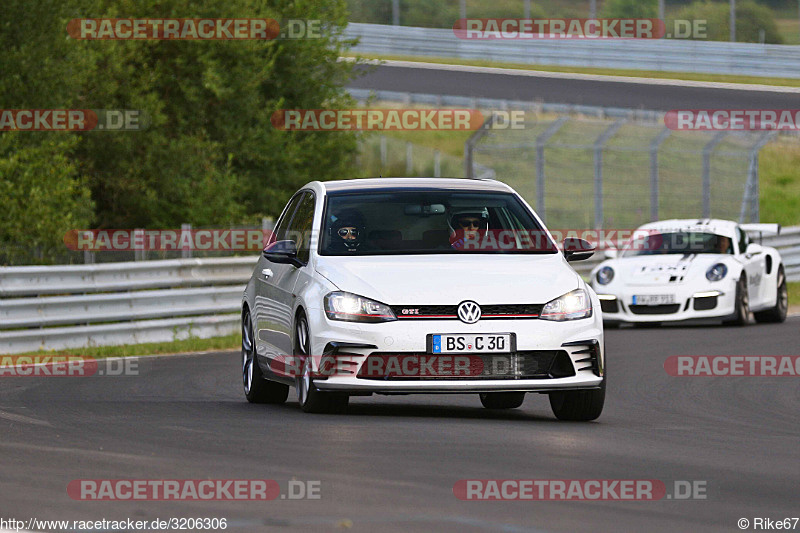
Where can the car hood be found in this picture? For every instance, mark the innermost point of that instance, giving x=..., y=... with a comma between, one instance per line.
x=451, y=279
x=664, y=269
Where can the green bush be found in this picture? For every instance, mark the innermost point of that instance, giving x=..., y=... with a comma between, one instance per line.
x=629, y=9
x=750, y=18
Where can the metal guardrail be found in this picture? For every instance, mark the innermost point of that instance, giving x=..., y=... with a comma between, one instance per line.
x=671, y=55
x=157, y=301
x=74, y=306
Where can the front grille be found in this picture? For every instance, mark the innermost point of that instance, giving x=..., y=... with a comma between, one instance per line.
x=666, y=309
x=488, y=312
x=415, y=366
x=705, y=303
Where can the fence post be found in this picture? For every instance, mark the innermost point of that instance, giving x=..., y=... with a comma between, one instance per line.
x=541, y=140
x=395, y=12
x=707, y=149
x=470, y=144
x=185, y=254
x=598, y=170
x=750, y=198
x=437, y=164
x=409, y=159
x=660, y=138
x=139, y=254
x=383, y=152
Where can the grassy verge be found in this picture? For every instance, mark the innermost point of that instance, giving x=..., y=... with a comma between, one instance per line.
x=228, y=342
x=691, y=76
x=794, y=294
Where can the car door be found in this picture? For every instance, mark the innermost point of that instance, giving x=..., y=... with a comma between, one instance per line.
x=753, y=266
x=277, y=281
x=267, y=292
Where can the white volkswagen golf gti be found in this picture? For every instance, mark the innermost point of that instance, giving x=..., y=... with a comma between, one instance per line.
x=420, y=285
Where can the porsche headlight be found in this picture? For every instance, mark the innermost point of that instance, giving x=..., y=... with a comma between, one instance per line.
x=605, y=275
x=353, y=308
x=716, y=272
x=571, y=306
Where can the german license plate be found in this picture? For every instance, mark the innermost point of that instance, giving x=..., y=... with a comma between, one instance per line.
x=472, y=343
x=654, y=299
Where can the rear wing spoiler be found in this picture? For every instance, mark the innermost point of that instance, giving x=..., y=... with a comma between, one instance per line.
x=764, y=229
x=761, y=229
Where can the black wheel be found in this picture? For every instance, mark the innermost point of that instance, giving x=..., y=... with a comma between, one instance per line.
x=579, y=405
x=742, y=313
x=777, y=313
x=310, y=399
x=257, y=389
x=502, y=400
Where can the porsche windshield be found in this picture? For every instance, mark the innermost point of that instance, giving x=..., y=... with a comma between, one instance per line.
x=429, y=222
x=679, y=242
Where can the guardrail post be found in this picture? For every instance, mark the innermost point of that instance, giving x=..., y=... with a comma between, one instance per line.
x=185, y=254
x=707, y=149
x=660, y=138
x=469, y=146
x=437, y=164
x=598, y=170
x=383, y=152
x=409, y=159
x=750, y=198
x=540, y=178
x=395, y=12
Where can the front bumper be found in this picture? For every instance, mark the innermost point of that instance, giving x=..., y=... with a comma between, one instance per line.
x=690, y=304
x=410, y=336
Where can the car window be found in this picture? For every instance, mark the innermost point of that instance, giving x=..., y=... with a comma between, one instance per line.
x=743, y=239
x=301, y=225
x=282, y=227
x=429, y=222
x=679, y=242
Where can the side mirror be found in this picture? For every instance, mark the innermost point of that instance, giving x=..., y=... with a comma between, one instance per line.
x=576, y=249
x=610, y=253
x=754, y=249
x=282, y=252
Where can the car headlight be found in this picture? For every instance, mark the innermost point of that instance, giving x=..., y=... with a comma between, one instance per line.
x=605, y=275
x=354, y=308
x=716, y=272
x=571, y=306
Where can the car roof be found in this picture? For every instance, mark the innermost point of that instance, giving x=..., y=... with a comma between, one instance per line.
x=376, y=184
x=717, y=226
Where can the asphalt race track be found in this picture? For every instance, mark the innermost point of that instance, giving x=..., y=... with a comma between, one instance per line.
x=390, y=463
x=592, y=92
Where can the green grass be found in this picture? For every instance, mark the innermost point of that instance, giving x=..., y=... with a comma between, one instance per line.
x=789, y=28
x=228, y=342
x=779, y=167
x=794, y=293
x=691, y=76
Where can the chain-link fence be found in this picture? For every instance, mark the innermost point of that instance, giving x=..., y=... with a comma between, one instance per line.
x=591, y=172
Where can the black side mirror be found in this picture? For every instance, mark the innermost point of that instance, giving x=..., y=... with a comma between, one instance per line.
x=282, y=252
x=576, y=249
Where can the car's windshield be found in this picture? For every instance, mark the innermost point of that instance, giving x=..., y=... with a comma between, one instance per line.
x=679, y=242
x=429, y=222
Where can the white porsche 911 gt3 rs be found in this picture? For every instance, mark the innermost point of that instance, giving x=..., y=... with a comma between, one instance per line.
x=693, y=269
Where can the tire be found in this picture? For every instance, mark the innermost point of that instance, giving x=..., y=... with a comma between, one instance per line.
x=257, y=389
x=310, y=399
x=580, y=405
x=502, y=400
x=742, y=314
x=776, y=314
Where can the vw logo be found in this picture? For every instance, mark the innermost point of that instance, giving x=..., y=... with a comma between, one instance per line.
x=469, y=312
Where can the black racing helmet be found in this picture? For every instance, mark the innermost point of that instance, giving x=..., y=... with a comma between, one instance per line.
x=348, y=218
